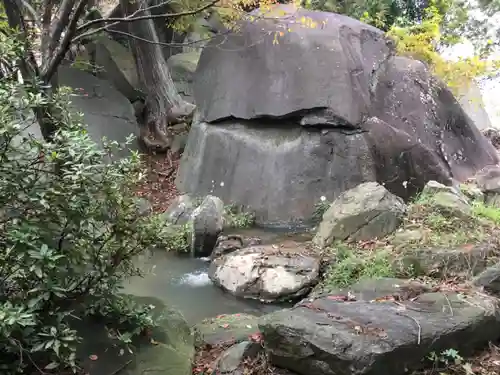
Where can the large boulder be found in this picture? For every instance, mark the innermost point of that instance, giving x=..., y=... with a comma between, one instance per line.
x=106, y=112
x=326, y=108
x=268, y=273
x=379, y=337
x=364, y=213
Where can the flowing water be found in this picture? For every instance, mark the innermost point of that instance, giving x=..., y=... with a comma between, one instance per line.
x=182, y=282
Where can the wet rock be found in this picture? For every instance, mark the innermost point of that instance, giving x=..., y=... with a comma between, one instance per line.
x=171, y=354
x=489, y=280
x=207, y=223
x=180, y=210
x=366, y=212
x=329, y=337
x=268, y=273
x=228, y=244
x=229, y=363
x=467, y=260
x=224, y=329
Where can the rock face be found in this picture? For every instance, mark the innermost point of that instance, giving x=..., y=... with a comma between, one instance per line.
x=329, y=337
x=268, y=273
x=107, y=113
x=366, y=212
x=293, y=129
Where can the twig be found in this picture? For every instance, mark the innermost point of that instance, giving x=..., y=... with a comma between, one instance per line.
x=449, y=304
x=122, y=367
x=419, y=337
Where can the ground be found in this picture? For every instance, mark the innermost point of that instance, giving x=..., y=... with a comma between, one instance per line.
x=159, y=185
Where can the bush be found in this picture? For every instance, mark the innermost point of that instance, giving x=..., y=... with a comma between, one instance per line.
x=69, y=229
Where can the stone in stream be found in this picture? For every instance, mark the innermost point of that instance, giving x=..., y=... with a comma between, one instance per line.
x=365, y=212
x=207, y=222
x=329, y=337
x=171, y=353
x=267, y=273
x=488, y=180
x=289, y=138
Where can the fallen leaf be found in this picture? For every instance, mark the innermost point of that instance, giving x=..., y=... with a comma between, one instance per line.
x=93, y=357
x=337, y=298
x=225, y=326
x=154, y=342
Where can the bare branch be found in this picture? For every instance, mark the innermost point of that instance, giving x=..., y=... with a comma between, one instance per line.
x=46, y=21
x=133, y=18
x=60, y=21
x=66, y=42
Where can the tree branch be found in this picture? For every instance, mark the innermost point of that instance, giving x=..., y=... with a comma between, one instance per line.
x=133, y=18
x=60, y=22
x=66, y=42
x=46, y=21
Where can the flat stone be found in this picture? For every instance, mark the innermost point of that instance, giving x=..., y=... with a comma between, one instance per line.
x=224, y=329
x=329, y=337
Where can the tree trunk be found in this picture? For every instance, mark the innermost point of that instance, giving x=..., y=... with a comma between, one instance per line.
x=164, y=105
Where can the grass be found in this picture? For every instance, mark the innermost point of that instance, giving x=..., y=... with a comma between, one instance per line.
x=238, y=218
x=435, y=229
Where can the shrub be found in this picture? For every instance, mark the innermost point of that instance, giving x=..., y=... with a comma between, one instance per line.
x=69, y=229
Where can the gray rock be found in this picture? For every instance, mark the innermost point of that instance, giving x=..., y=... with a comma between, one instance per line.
x=286, y=132
x=171, y=354
x=434, y=187
x=179, y=144
x=229, y=363
x=115, y=64
x=268, y=273
x=275, y=170
x=451, y=205
x=366, y=212
x=488, y=179
x=182, y=67
x=489, y=280
x=465, y=261
x=294, y=75
x=207, y=223
x=226, y=329
x=370, y=290
x=329, y=337
x=180, y=210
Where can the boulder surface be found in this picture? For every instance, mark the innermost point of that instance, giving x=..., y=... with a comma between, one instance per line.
x=329, y=107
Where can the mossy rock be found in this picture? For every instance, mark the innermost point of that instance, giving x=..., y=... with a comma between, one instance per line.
x=225, y=329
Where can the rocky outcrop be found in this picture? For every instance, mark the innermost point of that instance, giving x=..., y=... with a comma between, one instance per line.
x=366, y=212
x=268, y=273
x=182, y=67
x=286, y=128
x=331, y=336
x=207, y=222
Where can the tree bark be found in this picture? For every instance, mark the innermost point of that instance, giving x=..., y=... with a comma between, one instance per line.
x=164, y=105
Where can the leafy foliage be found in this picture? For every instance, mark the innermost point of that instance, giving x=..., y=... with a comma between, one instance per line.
x=69, y=229
x=422, y=41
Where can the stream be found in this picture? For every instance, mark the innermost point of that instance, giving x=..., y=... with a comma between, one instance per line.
x=182, y=282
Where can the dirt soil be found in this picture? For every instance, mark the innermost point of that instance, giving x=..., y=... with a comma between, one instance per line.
x=159, y=185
